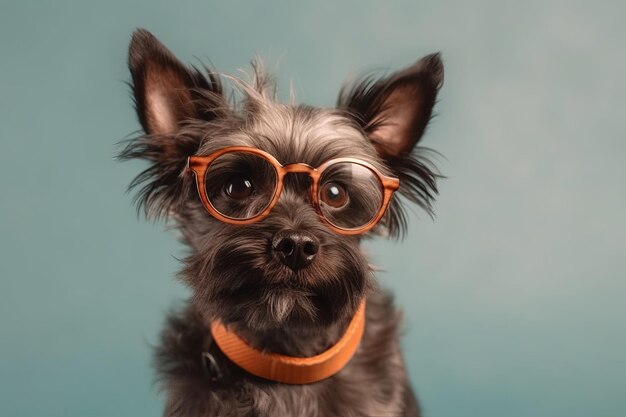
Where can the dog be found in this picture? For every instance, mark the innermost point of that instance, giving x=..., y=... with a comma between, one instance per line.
x=272, y=201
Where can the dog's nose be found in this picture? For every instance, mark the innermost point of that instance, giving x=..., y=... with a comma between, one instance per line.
x=296, y=249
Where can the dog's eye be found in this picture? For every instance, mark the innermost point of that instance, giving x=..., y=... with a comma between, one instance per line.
x=239, y=188
x=334, y=195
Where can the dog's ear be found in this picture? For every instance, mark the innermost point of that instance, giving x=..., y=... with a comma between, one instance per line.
x=172, y=102
x=394, y=112
x=166, y=92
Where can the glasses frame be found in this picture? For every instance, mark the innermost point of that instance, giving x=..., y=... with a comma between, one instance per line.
x=199, y=166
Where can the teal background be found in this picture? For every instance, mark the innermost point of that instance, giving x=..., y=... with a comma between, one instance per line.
x=513, y=296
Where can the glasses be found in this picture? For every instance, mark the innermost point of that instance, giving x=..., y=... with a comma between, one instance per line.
x=240, y=185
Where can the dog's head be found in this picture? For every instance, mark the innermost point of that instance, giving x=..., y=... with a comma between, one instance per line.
x=292, y=265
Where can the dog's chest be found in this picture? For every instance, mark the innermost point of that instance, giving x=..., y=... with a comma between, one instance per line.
x=357, y=391
x=373, y=383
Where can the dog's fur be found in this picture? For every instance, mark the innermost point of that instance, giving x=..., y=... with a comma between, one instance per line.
x=234, y=278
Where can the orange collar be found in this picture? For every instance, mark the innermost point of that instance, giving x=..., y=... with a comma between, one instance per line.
x=291, y=369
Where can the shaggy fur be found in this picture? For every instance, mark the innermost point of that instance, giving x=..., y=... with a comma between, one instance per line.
x=231, y=270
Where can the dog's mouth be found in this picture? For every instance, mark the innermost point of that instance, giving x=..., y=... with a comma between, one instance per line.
x=245, y=283
x=295, y=298
x=273, y=304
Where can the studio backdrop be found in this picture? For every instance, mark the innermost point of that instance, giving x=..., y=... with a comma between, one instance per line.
x=513, y=294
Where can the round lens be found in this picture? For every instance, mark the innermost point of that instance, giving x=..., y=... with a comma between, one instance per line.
x=240, y=185
x=350, y=195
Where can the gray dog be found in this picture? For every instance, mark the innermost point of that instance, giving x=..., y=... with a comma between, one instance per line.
x=272, y=201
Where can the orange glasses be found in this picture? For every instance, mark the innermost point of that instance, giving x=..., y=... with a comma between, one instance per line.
x=240, y=185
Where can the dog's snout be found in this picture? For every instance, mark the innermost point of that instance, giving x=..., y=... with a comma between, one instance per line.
x=296, y=249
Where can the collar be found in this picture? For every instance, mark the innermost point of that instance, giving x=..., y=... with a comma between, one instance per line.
x=291, y=369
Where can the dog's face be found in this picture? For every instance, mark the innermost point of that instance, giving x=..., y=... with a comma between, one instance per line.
x=290, y=267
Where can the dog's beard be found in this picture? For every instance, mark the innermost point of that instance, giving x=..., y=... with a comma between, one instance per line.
x=241, y=282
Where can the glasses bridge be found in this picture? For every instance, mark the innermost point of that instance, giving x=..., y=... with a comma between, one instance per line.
x=299, y=168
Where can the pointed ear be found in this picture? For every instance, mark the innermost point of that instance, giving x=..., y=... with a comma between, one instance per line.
x=167, y=94
x=166, y=91
x=394, y=111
